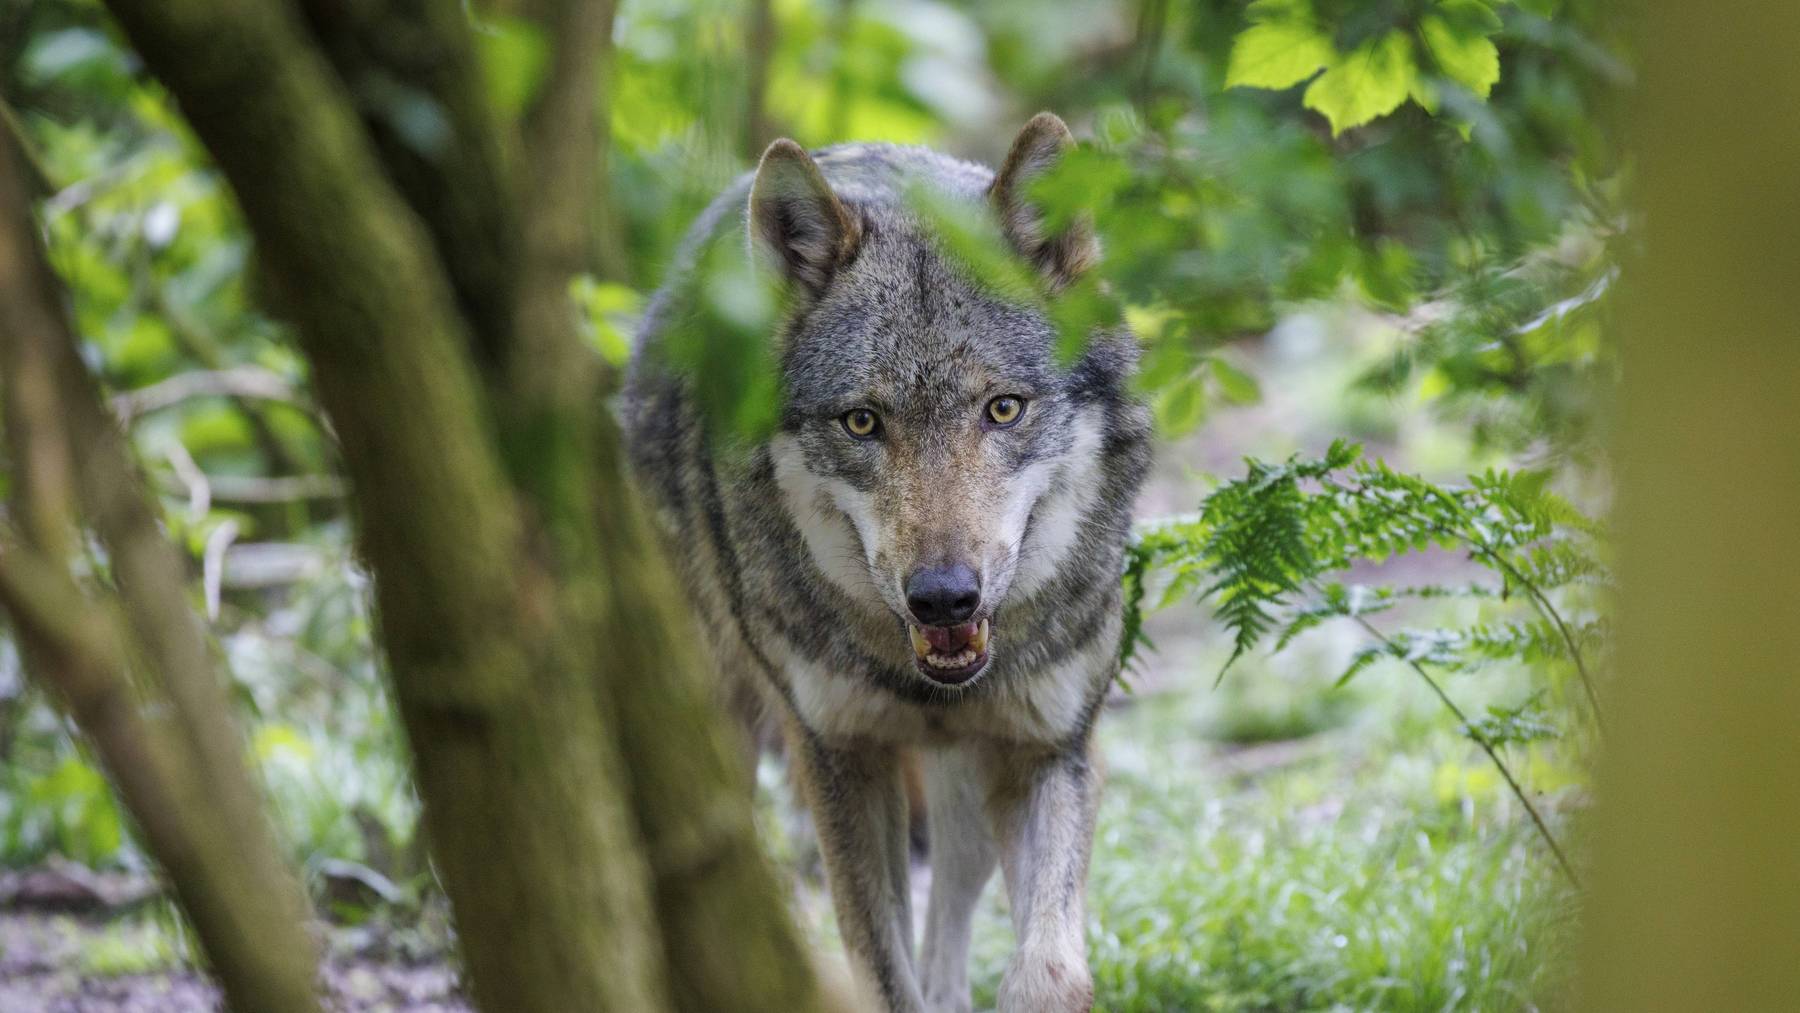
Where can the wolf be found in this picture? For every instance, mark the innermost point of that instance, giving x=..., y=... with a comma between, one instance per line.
x=925, y=553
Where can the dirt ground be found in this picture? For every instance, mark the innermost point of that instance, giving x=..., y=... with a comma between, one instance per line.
x=42, y=970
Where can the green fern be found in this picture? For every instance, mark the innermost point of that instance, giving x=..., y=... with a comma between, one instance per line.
x=1263, y=550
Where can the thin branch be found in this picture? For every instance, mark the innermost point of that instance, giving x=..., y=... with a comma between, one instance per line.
x=1153, y=22
x=193, y=481
x=213, y=564
x=24, y=154
x=199, y=342
x=236, y=382
x=261, y=489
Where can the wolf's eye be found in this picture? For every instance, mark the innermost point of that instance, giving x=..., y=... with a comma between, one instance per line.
x=1005, y=410
x=861, y=423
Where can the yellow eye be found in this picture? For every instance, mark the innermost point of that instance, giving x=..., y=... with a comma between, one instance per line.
x=861, y=423
x=1005, y=410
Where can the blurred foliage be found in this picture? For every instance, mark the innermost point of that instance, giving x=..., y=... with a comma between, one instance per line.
x=1437, y=180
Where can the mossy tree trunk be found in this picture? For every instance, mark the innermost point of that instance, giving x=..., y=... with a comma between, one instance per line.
x=581, y=803
x=1696, y=887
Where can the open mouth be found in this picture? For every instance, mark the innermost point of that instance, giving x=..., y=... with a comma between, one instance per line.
x=950, y=655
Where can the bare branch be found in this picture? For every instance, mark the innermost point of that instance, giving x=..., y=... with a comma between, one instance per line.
x=271, y=564
x=278, y=489
x=239, y=381
x=213, y=564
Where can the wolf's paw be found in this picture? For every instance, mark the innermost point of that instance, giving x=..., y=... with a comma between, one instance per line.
x=1047, y=982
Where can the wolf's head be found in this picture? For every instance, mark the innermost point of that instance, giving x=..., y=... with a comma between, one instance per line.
x=932, y=451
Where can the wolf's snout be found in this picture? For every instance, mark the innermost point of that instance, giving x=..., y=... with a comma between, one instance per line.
x=943, y=595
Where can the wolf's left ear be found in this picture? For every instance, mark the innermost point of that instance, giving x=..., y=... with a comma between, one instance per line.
x=796, y=219
x=1062, y=255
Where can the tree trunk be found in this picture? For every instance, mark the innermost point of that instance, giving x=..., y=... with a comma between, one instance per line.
x=1696, y=895
x=579, y=800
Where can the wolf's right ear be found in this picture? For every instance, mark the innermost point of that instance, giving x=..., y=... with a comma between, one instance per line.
x=796, y=219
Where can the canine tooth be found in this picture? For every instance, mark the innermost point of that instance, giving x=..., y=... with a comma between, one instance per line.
x=978, y=642
x=921, y=646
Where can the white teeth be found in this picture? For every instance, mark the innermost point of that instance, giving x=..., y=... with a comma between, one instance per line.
x=975, y=648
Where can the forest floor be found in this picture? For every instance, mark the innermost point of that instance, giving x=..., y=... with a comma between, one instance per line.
x=1270, y=844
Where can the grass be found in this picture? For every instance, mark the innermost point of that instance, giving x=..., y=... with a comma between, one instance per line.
x=133, y=946
x=1373, y=861
x=1337, y=882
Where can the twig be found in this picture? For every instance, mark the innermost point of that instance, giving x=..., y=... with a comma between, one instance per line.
x=193, y=480
x=236, y=382
x=213, y=564
x=759, y=46
x=279, y=489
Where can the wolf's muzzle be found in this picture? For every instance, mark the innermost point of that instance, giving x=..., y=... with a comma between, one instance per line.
x=948, y=645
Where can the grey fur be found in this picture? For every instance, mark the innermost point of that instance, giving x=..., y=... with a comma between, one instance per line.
x=796, y=550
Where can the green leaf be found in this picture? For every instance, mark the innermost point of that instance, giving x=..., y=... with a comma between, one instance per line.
x=1277, y=54
x=1181, y=407
x=609, y=312
x=1238, y=386
x=1463, y=54
x=1371, y=81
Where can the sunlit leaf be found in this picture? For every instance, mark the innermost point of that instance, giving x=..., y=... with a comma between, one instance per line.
x=1370, y=81
x=1277, y=54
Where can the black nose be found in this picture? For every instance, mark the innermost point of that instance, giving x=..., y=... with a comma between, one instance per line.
x=942, y=595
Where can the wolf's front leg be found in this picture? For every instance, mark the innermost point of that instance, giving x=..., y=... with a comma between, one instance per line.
x=1044, y=819
x=962, y=861
x=860, y=809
